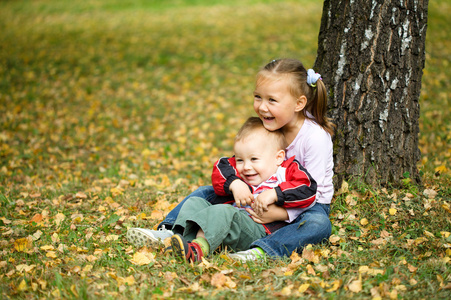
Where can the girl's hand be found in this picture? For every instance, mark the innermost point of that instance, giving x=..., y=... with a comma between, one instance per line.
x=263, y=200
x=274, y=213
x=241, y=193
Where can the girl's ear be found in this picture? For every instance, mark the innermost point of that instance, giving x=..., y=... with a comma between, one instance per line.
x=280, y=156
x=300, y=103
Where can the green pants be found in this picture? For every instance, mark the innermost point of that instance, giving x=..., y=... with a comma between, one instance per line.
x=222, y=224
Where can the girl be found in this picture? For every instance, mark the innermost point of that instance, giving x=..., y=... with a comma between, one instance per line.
x=289, y=97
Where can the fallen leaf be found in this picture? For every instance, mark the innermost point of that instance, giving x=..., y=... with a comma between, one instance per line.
x=430, y=193
x=81, y=195
x=22, y=286
x=51, y=254
x=36, y=218
x=303, y=287
x=23, y=244
x=25, y=268
x=335, y=286
x=142, y=258
x=355, y=286
x=220, y=281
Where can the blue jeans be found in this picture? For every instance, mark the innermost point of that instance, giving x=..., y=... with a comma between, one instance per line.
x=315, y=228
x=294, y=237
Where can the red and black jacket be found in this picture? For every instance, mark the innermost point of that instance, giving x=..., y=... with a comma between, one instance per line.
x=297, y=191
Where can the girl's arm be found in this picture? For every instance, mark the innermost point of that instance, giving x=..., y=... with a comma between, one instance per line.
x=299, y=189
x=274, y=213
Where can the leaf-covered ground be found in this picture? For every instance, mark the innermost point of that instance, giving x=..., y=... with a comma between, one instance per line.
x=112, y=111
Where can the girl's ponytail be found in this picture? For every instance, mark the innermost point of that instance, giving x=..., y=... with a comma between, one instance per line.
x=317, y=106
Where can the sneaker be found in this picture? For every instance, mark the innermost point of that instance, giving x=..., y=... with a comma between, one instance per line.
x=248, y=255
x=188, y=251
x=146, y=237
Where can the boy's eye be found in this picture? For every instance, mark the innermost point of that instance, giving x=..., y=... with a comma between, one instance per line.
x=272, y=100
x=254, y=158
x=257, y=97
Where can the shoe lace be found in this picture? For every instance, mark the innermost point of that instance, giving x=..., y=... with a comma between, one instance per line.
x=162, y=228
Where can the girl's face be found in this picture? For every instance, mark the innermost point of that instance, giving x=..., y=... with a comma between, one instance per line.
x=274, y=103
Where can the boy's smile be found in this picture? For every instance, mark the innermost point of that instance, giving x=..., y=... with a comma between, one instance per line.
x=257, y=158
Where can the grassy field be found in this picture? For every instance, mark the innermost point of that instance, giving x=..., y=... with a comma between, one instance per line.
x=112, y=111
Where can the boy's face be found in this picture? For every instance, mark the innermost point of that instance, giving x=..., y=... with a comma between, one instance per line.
x=257, y=158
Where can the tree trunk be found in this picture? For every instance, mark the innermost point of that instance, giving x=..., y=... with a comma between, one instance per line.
x=371, y=55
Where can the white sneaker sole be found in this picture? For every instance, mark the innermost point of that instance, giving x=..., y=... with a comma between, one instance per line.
x=140, y=238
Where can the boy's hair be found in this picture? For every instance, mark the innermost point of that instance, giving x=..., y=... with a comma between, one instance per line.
x=254, y=123
x=316, y=96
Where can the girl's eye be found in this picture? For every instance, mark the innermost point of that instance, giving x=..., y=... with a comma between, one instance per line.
x=272, y=100
x=257, y=97
x=254, y=158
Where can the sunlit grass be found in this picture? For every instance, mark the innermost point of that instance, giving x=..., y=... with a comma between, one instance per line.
x=112, y=111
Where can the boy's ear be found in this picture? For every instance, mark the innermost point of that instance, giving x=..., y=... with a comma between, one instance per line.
x=280, y=156
x=300, y=103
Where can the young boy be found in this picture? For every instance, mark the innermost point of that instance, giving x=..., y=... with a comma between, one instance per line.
x=260, y=162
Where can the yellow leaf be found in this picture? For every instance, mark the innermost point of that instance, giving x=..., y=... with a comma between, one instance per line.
x=47, y=247
x=130, y=280
x=25, y=268
x=22, y=286
x=428, y=233
x=142, y=258
x=303, y=287
x=310, y=270
x=112, y=237
x=59, y=218
x=441, y=169
x=74, y=290
x=364, y=222
x=286, y=291
x=392, y=211
x=335, y=286
x=355, y=286
x=334, y=239
x=23, y=244
x=51, y=254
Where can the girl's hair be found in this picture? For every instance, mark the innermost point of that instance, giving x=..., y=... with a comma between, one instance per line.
x=316, y=95
x=254, y=123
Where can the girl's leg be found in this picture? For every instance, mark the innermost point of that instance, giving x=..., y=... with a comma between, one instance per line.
x=294, y=237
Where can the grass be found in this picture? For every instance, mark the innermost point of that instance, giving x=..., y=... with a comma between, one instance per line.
x=113, y=111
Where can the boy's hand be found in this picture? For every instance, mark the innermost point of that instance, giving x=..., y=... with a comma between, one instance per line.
x=274, y=213
x=241, y=193
x=263, y=200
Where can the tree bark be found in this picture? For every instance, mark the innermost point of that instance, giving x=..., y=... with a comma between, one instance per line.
x=371, y=55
